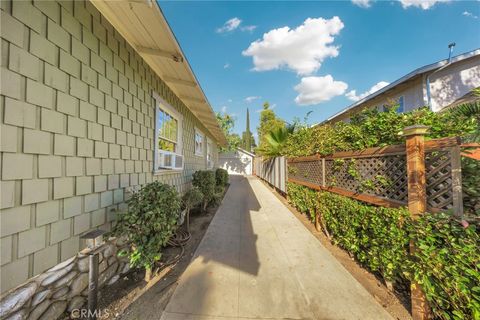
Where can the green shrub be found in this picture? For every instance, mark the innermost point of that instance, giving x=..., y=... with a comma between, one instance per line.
x=192, y=198
x=373, y=128
x=221, y=177
x=150, y=221
x=204, y=180
x=470, y=185
x=447, y=265
x=446, y=262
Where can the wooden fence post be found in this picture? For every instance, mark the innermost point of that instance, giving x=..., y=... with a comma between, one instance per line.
x=417, y=202
x=323, y=173
x=456, y=161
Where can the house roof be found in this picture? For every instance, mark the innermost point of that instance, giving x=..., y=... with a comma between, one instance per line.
x=415, y=73
x=144, y=27
x=246, y=152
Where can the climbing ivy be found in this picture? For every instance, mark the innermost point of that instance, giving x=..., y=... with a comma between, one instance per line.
x=372, y=128
x=447, y=260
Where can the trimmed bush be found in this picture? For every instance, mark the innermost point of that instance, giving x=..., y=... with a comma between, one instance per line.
x=221, y=177
x=190, y=200
x=204, y=180
x=446, y=262
x=150, y=221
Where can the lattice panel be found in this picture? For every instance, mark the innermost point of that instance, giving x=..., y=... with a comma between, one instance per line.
x=306, y=171
x=438, y=169
x=384, y=176
x=381, y=176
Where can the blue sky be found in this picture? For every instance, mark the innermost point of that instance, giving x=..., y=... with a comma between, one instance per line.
x=301, y=65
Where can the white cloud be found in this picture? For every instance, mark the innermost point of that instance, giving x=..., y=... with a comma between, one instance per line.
x=248, y=28
x=314, y=90
x=352, y=95
x=224, y=109
x=469, y=14
x=233, y=24
x=424, y=4
x=229, y=100
x=302, y=49
x=251, y=99
x=230, y=25
x=226, y=65
x=362, y=3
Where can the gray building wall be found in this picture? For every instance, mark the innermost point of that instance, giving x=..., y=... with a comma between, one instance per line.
x=446, y=86
x=77, y=131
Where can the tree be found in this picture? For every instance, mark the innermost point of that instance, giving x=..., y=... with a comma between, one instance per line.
x=268, y=122
x=227, y=122
x=276, y=140
x=248, y=134
x=248, y=141
x=243, y=143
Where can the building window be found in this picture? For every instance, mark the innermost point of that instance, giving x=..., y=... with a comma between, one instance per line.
x=401, y=107
x=209, y=154
x=168, y=131
x=199, y=142
x=168, y=137
x=398, y=103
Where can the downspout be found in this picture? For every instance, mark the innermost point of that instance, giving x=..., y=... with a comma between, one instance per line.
x=427, y=84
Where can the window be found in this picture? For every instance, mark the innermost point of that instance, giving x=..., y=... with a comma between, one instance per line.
x=401, y=107
x=209, y=154
x=199, y=138
x=398, y=103
x=168, y=137
x=167, y=132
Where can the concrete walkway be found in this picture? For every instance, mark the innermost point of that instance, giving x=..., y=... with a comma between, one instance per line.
x=257, y=261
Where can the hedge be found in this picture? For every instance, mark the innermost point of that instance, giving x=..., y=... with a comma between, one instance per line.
x=447, y=260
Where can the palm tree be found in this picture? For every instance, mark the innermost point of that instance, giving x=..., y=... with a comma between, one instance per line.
x=276, y=140
x=471, y=110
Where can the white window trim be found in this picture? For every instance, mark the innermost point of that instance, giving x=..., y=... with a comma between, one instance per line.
x=179, y=117
x=209, y=141
x=194, y=143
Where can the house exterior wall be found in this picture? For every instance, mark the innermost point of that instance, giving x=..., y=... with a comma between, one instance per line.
x=446, y=86
x=453, y=82
x=77, y=131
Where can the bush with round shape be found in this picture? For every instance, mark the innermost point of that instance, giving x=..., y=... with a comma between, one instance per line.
x=221, y=177
x=204, y=180
x=151, y=219
x=190, y=200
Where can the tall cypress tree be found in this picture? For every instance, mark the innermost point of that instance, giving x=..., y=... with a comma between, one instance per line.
x=248, y=141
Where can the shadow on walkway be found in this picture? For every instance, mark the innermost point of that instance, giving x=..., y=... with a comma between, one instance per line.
x=257, y=261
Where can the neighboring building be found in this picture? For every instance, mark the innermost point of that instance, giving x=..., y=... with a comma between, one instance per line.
x=97, y=99
x=237, y=162
x=448, y=84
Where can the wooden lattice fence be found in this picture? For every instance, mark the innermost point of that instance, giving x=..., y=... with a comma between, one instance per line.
x=379, y=175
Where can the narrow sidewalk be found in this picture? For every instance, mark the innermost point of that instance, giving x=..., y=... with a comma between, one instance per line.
x=257, y=261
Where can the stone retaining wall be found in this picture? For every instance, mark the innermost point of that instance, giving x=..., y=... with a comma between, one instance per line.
x=64, y=287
